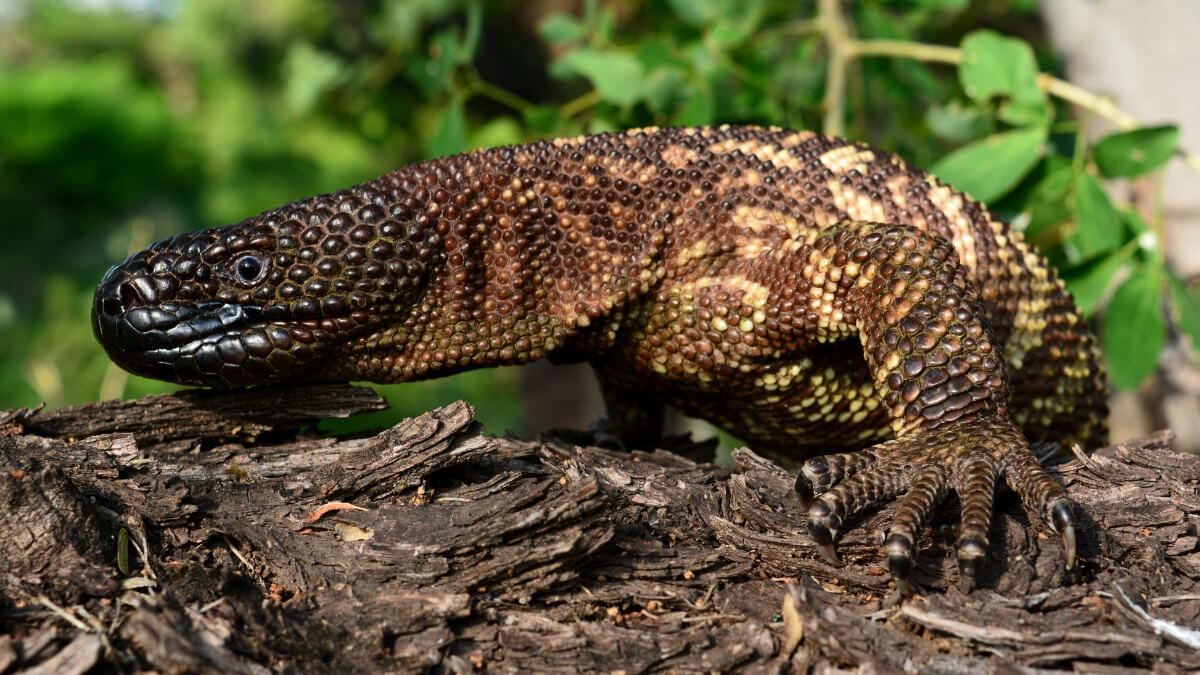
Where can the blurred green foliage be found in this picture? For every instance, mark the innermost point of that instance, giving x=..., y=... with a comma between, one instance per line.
x=124, y=122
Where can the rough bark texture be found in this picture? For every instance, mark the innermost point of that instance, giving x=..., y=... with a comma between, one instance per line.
x=253, y=547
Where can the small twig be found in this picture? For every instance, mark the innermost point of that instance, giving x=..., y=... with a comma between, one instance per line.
x=62, y=613
x=1172, y=599
x=215, y=603
x=238, y=554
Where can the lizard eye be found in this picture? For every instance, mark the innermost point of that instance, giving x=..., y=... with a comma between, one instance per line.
x=249, y=269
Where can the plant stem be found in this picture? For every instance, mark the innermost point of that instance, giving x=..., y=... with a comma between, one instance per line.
x=579, y=104
x=500, y=95
x=838, y=42
x=918, y=51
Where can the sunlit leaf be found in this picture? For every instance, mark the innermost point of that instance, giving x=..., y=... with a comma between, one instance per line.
x=1134, y=328
x=617, y=76
x=1097, y=225
x=988, y=168
x=1024, y=113
x=500, y=130
x=1133, y=153
x=559, y=28
x=308, y=73
x=994, y=64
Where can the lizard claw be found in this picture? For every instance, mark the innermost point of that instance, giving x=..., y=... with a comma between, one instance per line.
x=823, y=526
x=1063, y=520
x=900, y=561
x=971, y=553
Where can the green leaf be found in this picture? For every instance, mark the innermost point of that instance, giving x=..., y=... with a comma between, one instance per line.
x=657, y=53
x=308, y=73
x=1136, y=224
x=602, y=25
x=989, y=168
x=994, y=64
x=700, y=108
x=1024, y=113
x=1134, y=328
x=500, y=130
x=123, y=552
x=699, y=12
x=1089, y=283
x=559, y=28
x=1097, y=225
x=547, y=120
x=451, y=135
x=958, y=122
x=617, y=76
x=1147, y=238
x=1185, y=308
x=434, y=73
x=727, y=36
x=1137, y=152
x=1049, y=204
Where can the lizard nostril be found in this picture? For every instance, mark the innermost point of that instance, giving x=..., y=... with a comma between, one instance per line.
x=133, y=293
x=129, y=296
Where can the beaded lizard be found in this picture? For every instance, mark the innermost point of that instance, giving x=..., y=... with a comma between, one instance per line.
x=809, y=294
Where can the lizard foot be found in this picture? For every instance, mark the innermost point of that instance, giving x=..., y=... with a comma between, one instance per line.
x=966, y=456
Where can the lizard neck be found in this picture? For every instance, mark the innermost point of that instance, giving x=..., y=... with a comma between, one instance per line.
x=531, y=254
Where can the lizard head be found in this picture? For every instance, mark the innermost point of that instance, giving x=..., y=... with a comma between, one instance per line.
x=276, y=297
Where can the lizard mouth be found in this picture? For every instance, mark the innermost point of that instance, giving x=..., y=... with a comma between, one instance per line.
x=206, y=343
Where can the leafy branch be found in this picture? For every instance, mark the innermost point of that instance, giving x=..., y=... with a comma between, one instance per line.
x=843, y=49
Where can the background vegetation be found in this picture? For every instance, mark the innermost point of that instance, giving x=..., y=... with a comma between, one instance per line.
x=123, y=122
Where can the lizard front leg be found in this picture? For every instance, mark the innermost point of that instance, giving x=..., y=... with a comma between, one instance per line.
x=633, y=417
x=942, y=377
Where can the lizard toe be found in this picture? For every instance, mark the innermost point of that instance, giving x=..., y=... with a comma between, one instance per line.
x=1043, y=498
x=818, y=474
x=871, y=483
x=975, y=483
x=926, y=489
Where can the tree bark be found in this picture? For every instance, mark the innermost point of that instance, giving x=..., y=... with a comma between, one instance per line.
x=254, y=547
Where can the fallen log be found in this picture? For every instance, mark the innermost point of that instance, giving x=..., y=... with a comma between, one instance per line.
x=248, y=544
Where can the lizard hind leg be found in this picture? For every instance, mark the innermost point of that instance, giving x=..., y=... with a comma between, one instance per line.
x=938, y=370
